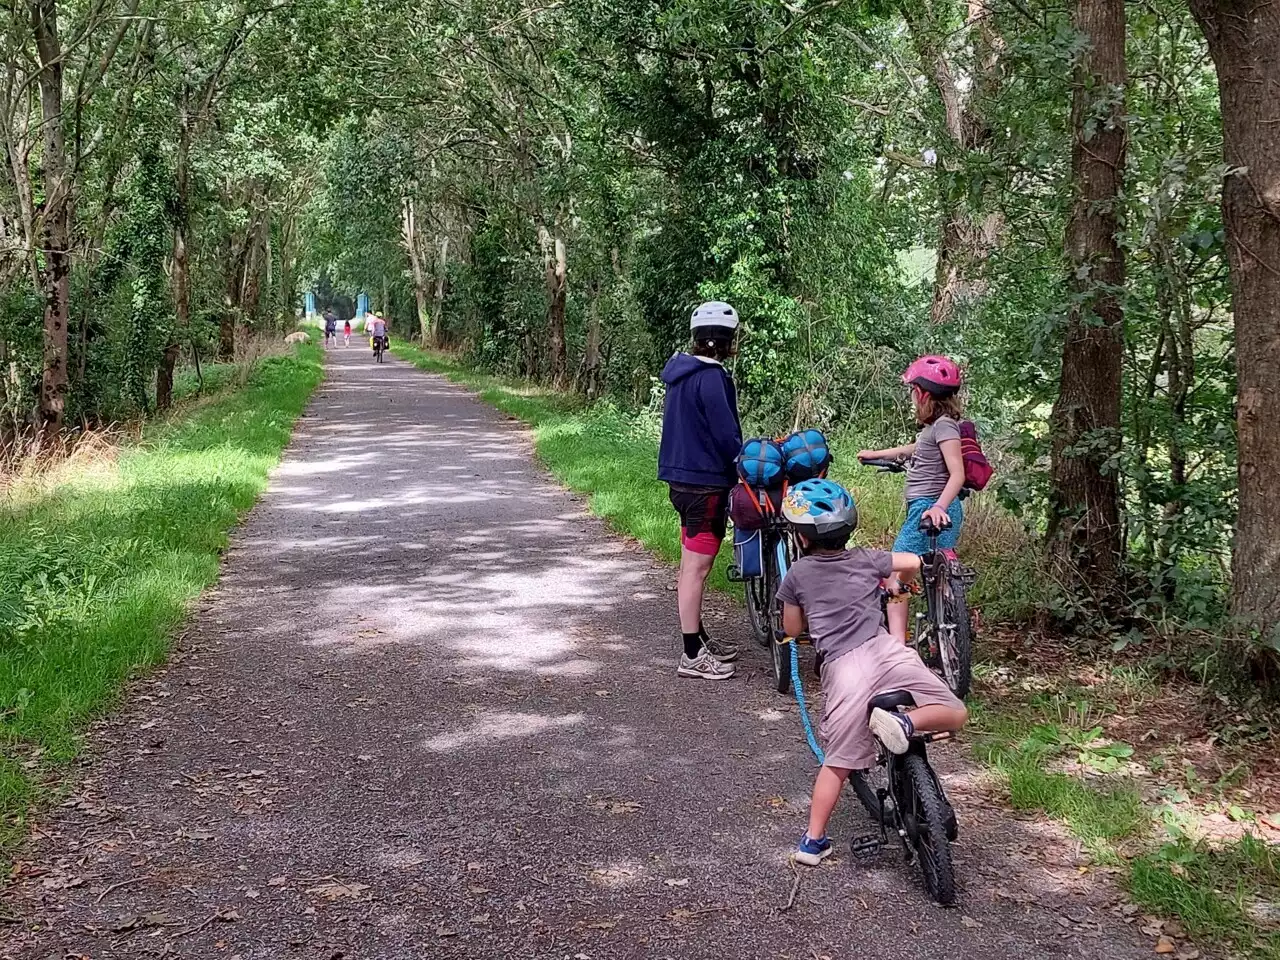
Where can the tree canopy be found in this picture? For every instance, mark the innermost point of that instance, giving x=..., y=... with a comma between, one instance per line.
x=548, y=188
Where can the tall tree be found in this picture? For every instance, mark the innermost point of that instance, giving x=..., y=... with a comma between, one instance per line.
x=55, y=216
x=1244, y=40
x=1084, y=525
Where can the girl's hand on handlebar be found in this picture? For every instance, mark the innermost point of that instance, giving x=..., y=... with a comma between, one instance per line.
x=937, y=516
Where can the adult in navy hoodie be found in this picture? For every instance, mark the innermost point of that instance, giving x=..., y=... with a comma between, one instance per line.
x=701, y=437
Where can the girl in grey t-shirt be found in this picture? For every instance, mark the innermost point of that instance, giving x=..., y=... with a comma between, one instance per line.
x=935, y=470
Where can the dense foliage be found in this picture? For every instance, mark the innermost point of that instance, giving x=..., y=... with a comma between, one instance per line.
x=550, y=188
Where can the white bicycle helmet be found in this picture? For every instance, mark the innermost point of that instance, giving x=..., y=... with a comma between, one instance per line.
x=713, y=313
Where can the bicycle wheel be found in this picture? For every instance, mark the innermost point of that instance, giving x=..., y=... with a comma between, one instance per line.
x=758, y=609
x=865, y=784
x=779, y=653
x=926, y=822
x=955, y=644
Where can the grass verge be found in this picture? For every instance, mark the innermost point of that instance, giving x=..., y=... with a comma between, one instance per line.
x=96, y=573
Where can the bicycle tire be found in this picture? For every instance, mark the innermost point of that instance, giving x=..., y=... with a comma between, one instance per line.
x=756, y=592
x=926, y=819
x=864, y=783
x=779, y=655
x=957, y=664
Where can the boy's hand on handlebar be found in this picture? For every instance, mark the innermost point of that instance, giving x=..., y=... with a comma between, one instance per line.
x=936, y=517
x=868, y=454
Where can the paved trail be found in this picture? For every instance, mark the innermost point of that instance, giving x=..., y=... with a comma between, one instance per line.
x=432, y=711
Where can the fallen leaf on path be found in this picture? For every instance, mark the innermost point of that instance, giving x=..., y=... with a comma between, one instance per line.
x=683, y=882
x=337, y=890
x=445, y=932
x=277, y=882
x=1165, y=945
x=969, y=922
x=602, y=924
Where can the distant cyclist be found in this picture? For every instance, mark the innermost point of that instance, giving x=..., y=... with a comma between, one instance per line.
x=701, y=438
x=330, y=325
x=376, y=327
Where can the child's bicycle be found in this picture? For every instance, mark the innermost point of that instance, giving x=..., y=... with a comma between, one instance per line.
x=944, y=630
x=905, y=795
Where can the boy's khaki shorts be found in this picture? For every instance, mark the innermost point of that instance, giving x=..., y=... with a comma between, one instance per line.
x=850, y=682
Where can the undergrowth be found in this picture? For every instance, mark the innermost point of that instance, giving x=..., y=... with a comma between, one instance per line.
x=97, y=570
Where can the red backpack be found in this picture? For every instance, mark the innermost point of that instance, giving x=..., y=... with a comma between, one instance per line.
x=977, y=469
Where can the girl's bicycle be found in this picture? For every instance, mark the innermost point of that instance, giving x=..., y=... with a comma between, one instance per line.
x=944, y=630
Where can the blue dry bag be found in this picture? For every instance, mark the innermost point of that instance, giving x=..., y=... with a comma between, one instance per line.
x=806, y=455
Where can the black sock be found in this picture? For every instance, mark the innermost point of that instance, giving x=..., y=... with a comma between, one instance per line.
x=702, y=632
x=692, y=644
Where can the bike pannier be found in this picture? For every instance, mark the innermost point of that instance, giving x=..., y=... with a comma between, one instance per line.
x=747, y=507
x=748, y=552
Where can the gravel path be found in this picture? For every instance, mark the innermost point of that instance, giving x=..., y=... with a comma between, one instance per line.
x=431, y=710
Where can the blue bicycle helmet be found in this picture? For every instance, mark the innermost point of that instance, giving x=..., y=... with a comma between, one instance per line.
x=820, y=508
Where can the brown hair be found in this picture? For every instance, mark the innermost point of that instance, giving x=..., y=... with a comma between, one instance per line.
x=929, y=407
x=718, y=347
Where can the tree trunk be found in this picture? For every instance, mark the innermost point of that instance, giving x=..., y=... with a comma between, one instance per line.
x=1084, y=536
x=442, y=281
x=964, y=241
x=553, y=253
x=591, y=361
x=1244, y=41
x=409, y=237
x=181, y=273
x=55, y=276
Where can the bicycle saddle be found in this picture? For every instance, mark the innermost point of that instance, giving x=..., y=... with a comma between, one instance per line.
x=891, y=701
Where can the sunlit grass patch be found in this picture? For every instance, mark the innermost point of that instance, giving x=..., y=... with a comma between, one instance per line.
x=97, y=571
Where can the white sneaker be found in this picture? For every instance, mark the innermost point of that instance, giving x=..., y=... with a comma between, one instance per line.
x=726, y=651
x=890, y=729
x=704, y=666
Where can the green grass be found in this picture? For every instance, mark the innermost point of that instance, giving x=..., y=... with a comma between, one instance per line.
x=1210, y=889
x=96, y=572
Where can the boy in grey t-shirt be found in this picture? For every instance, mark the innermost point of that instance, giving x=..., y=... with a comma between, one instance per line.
x=834, y=593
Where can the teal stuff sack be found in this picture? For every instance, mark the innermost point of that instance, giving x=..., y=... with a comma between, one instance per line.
x=806, y=455
x=760, y=463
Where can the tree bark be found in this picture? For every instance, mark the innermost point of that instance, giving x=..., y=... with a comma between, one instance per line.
x=964, y=241
x=591, y=360
x=442, y=277
x=1244, y=41
x=409, y=237
x=181, y=272
x=1084, y=536
x=553, y=254
x=55, y=216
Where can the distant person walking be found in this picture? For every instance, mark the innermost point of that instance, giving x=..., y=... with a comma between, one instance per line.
x=346, y=334
x=701, y=438
x=330, y=325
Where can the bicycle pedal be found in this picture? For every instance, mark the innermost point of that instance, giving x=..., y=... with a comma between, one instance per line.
x=865, y=845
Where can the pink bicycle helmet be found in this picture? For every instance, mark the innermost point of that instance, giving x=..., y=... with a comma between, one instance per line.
x=937, y=375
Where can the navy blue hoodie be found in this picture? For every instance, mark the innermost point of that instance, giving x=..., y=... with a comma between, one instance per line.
x=701, y=436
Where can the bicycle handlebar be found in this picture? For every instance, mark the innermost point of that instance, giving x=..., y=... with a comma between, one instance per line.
x=886, y=466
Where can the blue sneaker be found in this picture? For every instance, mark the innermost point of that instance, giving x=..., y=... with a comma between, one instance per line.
x=813, y=852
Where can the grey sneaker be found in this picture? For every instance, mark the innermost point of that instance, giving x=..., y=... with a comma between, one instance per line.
x=726, y=651
x=704, y=666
